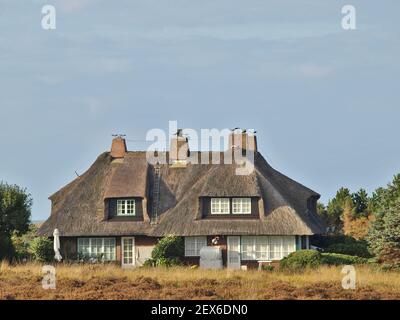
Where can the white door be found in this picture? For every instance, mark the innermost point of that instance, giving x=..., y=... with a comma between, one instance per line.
x=128, y=251
x=233, y=255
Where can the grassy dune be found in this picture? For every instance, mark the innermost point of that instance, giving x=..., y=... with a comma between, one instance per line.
x=112, y=282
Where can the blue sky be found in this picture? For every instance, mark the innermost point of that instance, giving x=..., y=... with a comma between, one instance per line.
x=325, y=101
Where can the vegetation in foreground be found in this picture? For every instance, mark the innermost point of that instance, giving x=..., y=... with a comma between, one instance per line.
x=85, y=281
x=364, y=231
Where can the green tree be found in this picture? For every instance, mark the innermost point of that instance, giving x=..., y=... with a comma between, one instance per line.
x=384, y=235
x=360, y=201
x=384, y=198
x=336, y=206
x=321, y=209
x=15, y=213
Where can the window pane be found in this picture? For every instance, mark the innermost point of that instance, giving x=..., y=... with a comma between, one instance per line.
x=193, y=245
x=120, y=207
x=97, y=248
x=126, y=207
x=266, y=247
x=130, y=207
x=220, y=206
x=200, y=243
x=248, y=248
x=241, y=205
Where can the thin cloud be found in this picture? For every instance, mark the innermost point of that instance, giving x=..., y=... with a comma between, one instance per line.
x=74, y=5
x=315, y=71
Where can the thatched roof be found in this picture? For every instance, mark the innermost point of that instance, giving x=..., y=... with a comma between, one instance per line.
x=79, y=208
x=221, y=181
x=123, y=177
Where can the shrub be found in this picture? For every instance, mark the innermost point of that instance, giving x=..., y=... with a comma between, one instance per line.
x=85, y=258
x=41, y=249
x=149, y=263
x=341, y=259
x=21, y=243
x=6, y=248
x=342, y=244
x=162, y=262
x=267, y=268
x=301, y=259
x=312, y=259
x=165, y=262
x=167, y=252
x=359, y=249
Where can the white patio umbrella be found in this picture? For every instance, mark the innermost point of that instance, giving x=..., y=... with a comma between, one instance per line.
x=56, y=235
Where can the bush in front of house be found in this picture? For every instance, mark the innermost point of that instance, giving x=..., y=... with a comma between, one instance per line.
x=341, y=259
x=267, y=268
x=359, y=249
x=312, y=259
x=167, y=252
x=162, y=262
x=301, y=259
x=41, y=249
x=343, y=244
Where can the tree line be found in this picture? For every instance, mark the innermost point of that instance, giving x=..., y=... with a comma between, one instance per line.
x=18, y=240
x=359, y=224
x=373, y=218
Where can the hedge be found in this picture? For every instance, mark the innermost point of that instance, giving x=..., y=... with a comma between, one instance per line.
x=354, y=249
x=343, y=244
x=312, y=259
x=341, y=259
x=301, y=259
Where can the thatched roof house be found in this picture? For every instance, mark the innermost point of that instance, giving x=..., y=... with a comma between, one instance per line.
x=123, y=204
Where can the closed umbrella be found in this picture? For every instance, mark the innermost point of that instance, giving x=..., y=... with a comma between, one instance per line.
x=56, y=235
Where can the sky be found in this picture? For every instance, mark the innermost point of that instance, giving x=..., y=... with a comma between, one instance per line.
x=324, y=100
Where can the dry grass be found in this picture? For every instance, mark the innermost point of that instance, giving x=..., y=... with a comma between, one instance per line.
x=112, y=282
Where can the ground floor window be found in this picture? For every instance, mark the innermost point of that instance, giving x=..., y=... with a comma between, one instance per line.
x=128, y=250
x=267, y=247
x=193, y=245
x=97, y=248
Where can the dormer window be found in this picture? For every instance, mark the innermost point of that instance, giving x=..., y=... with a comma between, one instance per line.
x=126, y=207
x=220, y=206
x=241, y=205
x=227, y=206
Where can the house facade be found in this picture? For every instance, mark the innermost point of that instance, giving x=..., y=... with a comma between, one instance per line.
x=123, y=204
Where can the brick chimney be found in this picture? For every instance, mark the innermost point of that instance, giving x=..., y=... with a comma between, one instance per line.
x=179, y=149
x=118, y=148
x=247, y=141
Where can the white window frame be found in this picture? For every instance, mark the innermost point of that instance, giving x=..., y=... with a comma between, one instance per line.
x=193, y=245
x=266, y=248
x=132, y=252
x=239, y=207
x=125, y=205
x=218, y=204
x=93, y=247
